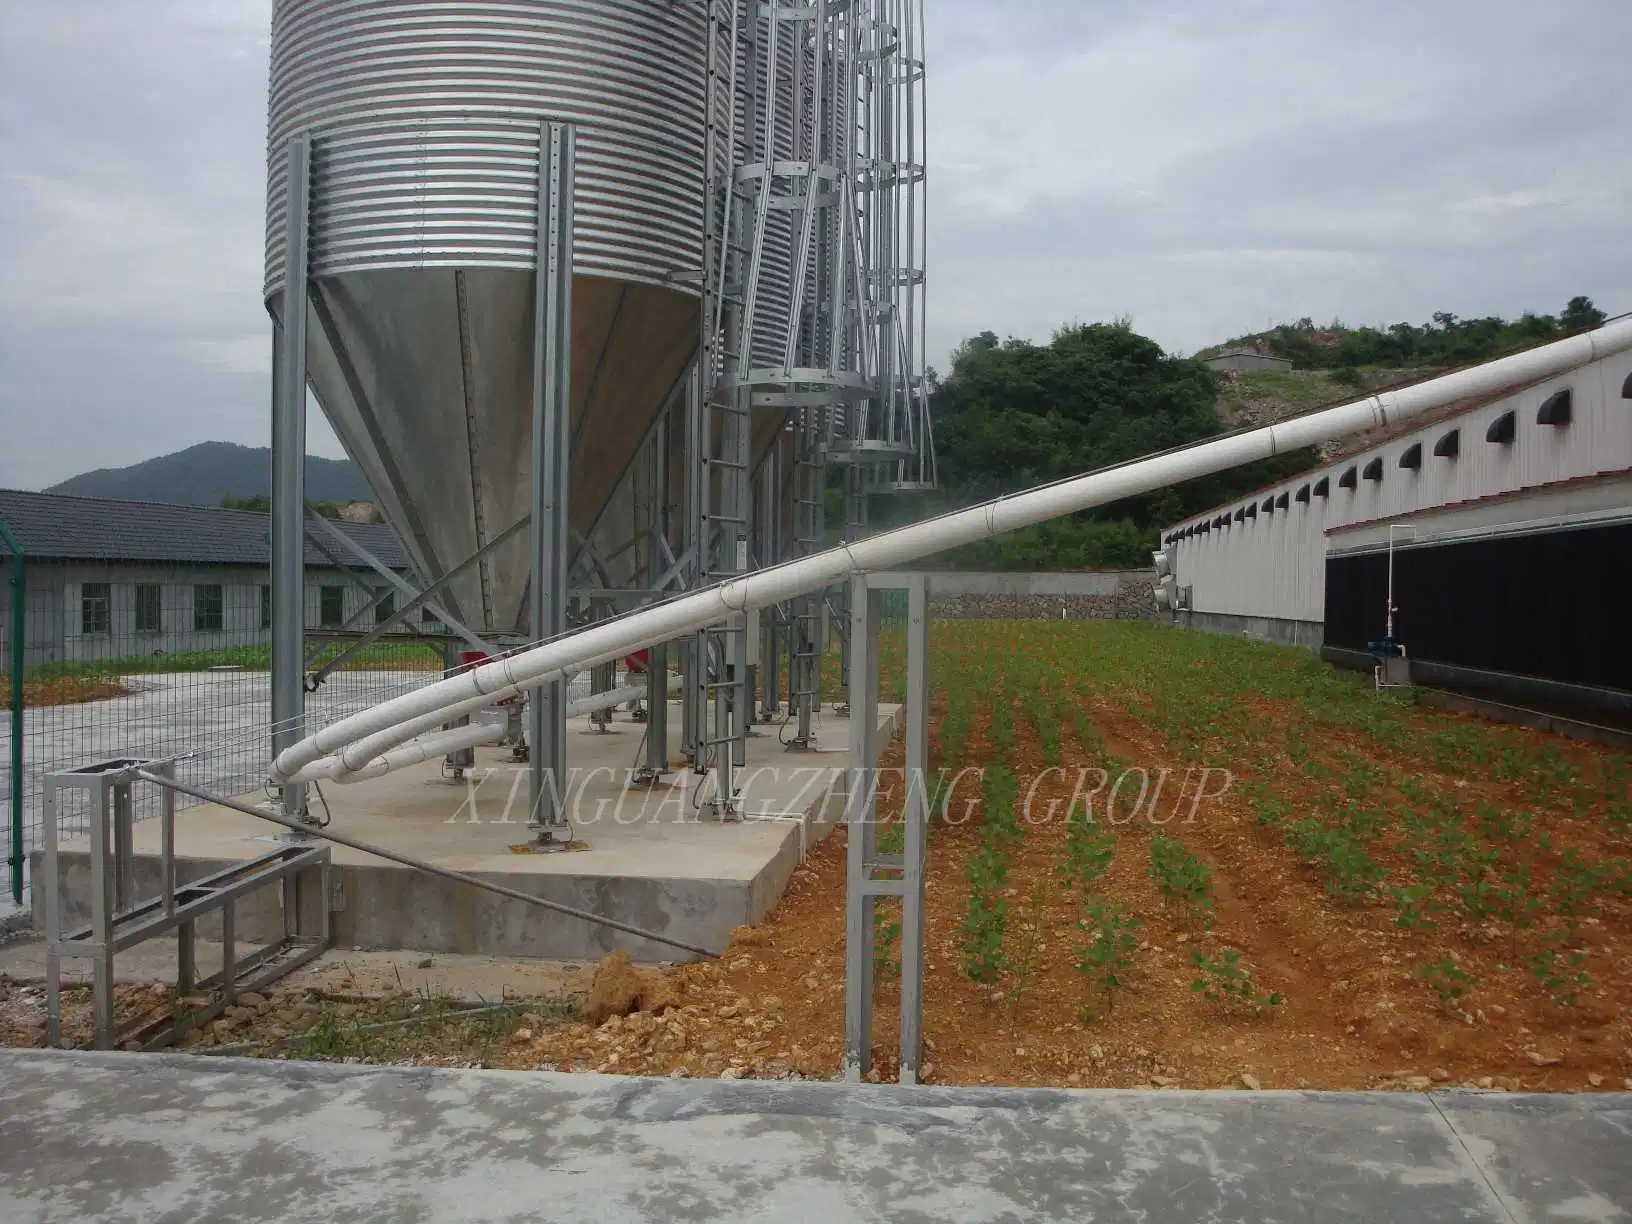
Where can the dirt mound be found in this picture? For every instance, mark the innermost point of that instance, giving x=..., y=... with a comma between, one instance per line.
x=619, y=988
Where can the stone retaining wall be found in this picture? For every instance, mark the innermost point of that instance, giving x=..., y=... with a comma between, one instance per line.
x=1119, y=596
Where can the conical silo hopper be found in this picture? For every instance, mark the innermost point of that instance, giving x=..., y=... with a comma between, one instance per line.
x=424, y=121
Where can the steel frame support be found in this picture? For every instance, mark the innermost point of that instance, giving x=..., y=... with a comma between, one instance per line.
x=658, y=561
x=692, y=663
x=289, y=473
x=120, y=920
x=870, y=873
x=915, y=814
x=551, y=552
x=417, y=597
x=657, y=715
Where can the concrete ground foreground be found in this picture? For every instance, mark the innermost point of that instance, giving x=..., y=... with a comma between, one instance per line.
x=101, y=1138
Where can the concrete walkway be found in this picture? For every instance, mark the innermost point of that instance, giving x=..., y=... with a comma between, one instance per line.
x=110, y=1137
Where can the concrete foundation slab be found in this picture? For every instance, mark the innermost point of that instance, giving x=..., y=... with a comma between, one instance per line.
x=111, y=1137
x=651, y=857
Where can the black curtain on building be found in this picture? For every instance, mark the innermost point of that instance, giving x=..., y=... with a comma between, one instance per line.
x=1554, y=605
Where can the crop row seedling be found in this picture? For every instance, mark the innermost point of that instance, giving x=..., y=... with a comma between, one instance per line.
x=1107, y=955
x=1089, y=848
x=986, y=917
x=1184, y=880
x=1224, y=980
x=1448, y=980
x=1047, y=730
x=1561, y=973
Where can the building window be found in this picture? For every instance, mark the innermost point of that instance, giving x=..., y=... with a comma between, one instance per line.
x=427, y=615
x=95, y=615
x=149, y=607
x=207, y=615
x=331, y=606
x=266, y=607
x=385, y=608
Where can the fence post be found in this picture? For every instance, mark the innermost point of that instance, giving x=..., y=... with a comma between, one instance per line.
x=19, y=637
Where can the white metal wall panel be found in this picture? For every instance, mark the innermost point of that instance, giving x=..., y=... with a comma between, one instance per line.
x=1273, y=565
x=1609, y=433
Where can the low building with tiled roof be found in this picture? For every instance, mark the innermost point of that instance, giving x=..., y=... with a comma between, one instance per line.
x=119, y=579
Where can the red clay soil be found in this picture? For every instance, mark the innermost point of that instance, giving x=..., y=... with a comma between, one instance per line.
x=1355, y=1014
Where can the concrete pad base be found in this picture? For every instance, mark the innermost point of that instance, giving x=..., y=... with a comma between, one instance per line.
x=651, y=857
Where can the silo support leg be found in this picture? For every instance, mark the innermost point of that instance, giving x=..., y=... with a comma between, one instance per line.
x=289, y=476
x=552, y=381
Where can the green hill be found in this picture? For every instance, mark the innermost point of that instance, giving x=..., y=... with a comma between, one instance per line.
x=207, y=474
x=1336, y=362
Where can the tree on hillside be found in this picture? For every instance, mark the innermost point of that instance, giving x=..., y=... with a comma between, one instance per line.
x=1581, y=315
x=260, y=503
x=1013, y=414
x=1445, y=341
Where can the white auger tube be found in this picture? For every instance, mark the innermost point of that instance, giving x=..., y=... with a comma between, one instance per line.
x=362, y=737
x=378, y=763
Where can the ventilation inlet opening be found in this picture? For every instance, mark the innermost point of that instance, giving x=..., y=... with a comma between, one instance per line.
x=1303, y=494
x=1556, y=410
x=1411, y=459
x=1205, y=528
x=1252, y=512
x=1323, y=487
x=1374, y=469
x=1502, y=429
x=1626, y=388
x=1240, y=515
x=1449, y=446
x=1281, y=502
x=1349, y=479
x=1269, y=504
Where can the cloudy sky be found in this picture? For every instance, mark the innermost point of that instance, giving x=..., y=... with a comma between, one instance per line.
x=1204, y=167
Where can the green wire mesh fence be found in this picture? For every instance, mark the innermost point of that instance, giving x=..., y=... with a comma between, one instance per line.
x=120, y=659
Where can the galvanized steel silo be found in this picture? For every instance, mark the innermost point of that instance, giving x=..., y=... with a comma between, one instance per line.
x=424, y=117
